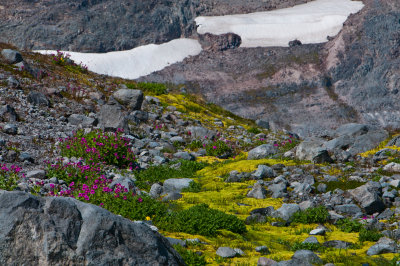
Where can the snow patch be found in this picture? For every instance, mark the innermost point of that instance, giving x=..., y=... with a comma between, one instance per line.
x=137, y=62
x=310, y=23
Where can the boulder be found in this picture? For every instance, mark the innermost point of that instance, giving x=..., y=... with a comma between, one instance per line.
x=337, y=244
x=133, y=99
x=226, y=252
x=8, y=113
x=384, y=245
x=287, y=211
x=222, y=42
x=264, y=171
x=176, y=184
x=38, y=98
x=368, y=199
x=65, y=231
x=83, y=120
x=350, y=209
x=257, y=192
x=11, y=56
x=262, y=151
x=312, y=149
x=306, y=256
x=111, y=117
x=392, y=167
x=263, y=123
x=200, y=132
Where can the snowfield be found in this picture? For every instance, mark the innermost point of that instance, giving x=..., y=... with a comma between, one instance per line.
x=310, y=23
x=137, y=62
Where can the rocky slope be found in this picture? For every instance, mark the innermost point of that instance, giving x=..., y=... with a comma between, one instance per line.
x=353, y=77
x=219, y=188
x=104, y=25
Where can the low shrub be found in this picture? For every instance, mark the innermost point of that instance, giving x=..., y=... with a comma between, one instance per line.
x=149, y=88
x=191, y=258
x=193, y=187
x=63, y=59
x=348, y=225
x=307, y=246
x=254, y=130
x=202, y=220
x=312, y=215
x=99, y=147
x=218, y=148
x=369, y=235
x=177, y=169
x=195, y=145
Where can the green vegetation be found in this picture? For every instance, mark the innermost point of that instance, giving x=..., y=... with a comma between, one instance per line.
x=191, y=258
x=369, y=235
x=202, y=220
x=176, y=169
x=254, y=130
x=307, y=246
x=218, y=148
x=149, y=88
x=312, y=215
x=348, y=225
x=193, y=187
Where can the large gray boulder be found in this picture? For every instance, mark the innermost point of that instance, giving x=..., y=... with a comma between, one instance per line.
x=262, y=151
x=111, y=117
x=200, y=132
x=11, y=56
x=257, y=192
x=306, y=256
x=82, y=120
x=176, y=184
x=65, y=231
x=356, y=138
x=133, y=99
x=384, y=245
x=368, y=198
x=287, y=211
x=311, y=149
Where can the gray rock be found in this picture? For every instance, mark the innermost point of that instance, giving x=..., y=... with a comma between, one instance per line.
x=133, y=99
x=177, y=139
x=71, y=229
x=11, y=56
x=156, y=190
x=126, y=182
x=239, y=252
x=201, y=132
x=392, y=167
x=311, y=240
x=263, y=250
x=39, y=174
x=263, y=211
x=384, y=245
x=264, y=171
x=368, y=198
x=287, y=211
x=394, y=141
x=278, y=190
x=350, y=209
x=83, y=120
x=172, y=196
x=38, y=98
x=176, y=184
x=8, y=113
x=311, y=149
x=226, y=252
x=255, y=218
x=337, y=244
x=175, y=241
x=263, y=261
x=13, y=82
x=184, y=155
x=318, y=232
x=386, y=214
x=262, y=151
x=257, y=192
x=25, y=157
x=10, y=129
x=262, y=123
x=304, y=205
x=306, y=256
x=111, y=117
x=139, y=116
x=322, y=187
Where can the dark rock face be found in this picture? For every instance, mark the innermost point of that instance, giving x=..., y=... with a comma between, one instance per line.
x=105, y=25
x=64, y=231
x=222, y=42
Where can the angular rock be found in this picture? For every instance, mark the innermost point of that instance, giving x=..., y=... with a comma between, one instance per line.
x=222, y=42
x=350, y=209
x=287, y=211
x=172, y=196
x=264, y=171
x=133, y=99
x=311, y=240
x=392, y=167
x=384, y=245
x=311, y=149
x=263, y=123
x=38, y=98
x=226, y=252
x=184, y=155
x=11, y=56
x=176, y=184
x=257, y=192
x=39, y=174
x=8, y=113
x=70, y=232
x=263, y=261
x=317, y=232
x=200, y=132
x=262, y=250
x=368, y=199
x=83, y=120
x=156, y=190
x=175, y=241
x=337, y=244
x=306, y=256
x=111, y=117
x=262, y=151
